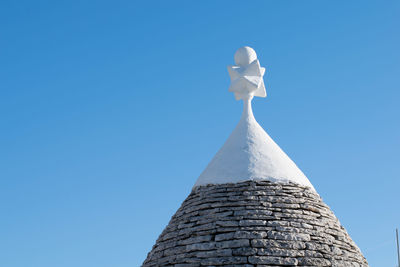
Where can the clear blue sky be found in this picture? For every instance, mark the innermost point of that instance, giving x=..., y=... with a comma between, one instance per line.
x=109, y=111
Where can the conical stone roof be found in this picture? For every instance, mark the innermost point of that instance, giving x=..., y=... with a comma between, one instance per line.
x=254, y=223
x=252, y=206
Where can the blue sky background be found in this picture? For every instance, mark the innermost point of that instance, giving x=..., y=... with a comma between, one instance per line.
x=109, y=111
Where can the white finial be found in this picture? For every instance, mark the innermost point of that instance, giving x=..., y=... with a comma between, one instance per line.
x=247, y=77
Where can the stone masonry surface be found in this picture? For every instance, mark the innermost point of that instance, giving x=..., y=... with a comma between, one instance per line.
x=254, y=224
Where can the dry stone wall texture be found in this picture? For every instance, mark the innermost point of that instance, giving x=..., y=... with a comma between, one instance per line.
x=254, y=224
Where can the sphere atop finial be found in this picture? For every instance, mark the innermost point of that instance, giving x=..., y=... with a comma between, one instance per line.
x=245, y=55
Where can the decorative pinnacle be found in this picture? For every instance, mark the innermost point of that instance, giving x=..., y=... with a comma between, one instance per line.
x=247, y=76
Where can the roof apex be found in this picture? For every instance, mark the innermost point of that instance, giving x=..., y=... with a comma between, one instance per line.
x=250, y=153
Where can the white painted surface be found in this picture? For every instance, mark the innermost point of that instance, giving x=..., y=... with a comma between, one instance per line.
x=250, y=153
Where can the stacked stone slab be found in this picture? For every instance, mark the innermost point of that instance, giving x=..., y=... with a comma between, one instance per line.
x=254, y=224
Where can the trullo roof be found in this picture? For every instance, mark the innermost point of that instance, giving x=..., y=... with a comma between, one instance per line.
x=252, y=206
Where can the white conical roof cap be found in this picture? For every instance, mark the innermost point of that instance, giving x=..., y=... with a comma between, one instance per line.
x=250, y=153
